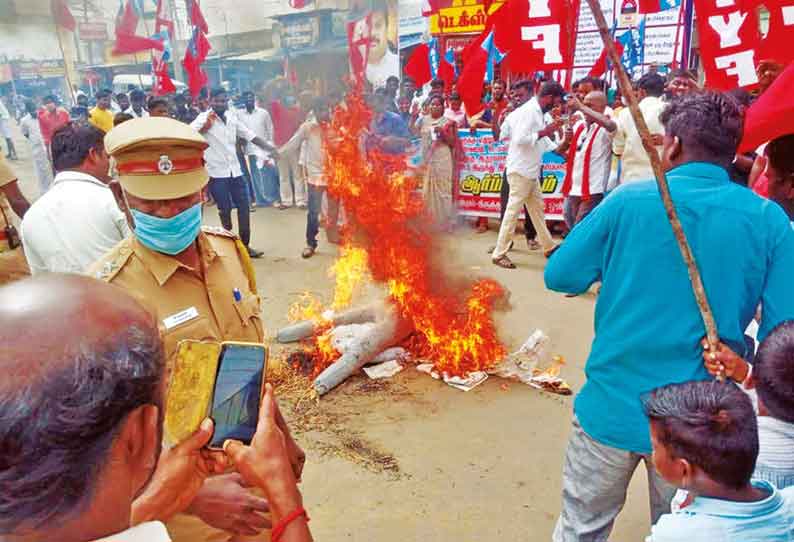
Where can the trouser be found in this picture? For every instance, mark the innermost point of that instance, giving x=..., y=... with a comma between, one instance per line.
x=249, y=181
x=231, y=192
x=290, y=181
x=263, y=182
x=523, y=192
x=313, y=215
x=575, y=208
x=13, y=265
x=504, y=192
x=595, y=479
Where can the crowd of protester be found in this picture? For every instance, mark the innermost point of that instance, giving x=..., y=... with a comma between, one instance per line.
x=717, y=453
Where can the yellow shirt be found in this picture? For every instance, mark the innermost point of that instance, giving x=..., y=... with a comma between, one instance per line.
x=101, y=118
x=185, y=305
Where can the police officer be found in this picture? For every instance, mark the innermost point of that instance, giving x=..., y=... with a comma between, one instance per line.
x=197, y=281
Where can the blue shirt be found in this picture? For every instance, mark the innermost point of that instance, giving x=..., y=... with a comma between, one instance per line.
x=647, y=324
x=715, y=520
x=391, y=124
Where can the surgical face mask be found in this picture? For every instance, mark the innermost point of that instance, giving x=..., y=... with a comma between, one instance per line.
x=168, y=235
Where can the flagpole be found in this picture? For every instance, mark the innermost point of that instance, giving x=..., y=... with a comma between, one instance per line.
x=661, y=181
x=681, y=9
x=58, y=31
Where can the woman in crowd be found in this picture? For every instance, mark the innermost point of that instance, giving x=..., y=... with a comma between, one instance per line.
x=441, y=150
x=29, y=125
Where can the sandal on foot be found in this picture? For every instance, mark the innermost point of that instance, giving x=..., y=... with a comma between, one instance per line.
x=308, y=252
x=504, y=262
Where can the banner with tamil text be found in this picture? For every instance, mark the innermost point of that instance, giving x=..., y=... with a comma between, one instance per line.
x=481, y=177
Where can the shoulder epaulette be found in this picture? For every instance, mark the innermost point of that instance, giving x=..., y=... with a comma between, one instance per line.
x=216, y=230
x=113, y=262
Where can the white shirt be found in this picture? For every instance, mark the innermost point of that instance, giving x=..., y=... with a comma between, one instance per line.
x=131, y=111
x=525, y=149
x=152, y=531
x=600, y=159
x=30, y=128
x=260, y=123
x=72, y=225
x=636, y=166
x=311, y=134
x=221, y=155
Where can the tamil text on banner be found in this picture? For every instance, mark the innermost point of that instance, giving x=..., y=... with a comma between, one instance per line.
x=373, y=42
x=481, y=178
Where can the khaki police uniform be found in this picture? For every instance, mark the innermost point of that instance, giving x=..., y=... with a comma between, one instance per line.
x=13, y=265
x=161, y=159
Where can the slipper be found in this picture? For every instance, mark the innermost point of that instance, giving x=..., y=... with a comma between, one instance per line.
x=281, y=206
x=308, y=252
x=504, y=262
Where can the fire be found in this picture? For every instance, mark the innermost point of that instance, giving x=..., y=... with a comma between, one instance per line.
x=350, y=270
x=391, y=237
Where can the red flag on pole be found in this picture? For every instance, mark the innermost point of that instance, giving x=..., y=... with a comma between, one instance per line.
x=772, y=115
x=63, y=17
x=197, y=17
x=418, y=65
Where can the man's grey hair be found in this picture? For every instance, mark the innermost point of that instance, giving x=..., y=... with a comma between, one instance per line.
x=57, y=430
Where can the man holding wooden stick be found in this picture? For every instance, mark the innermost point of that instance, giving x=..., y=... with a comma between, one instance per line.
x=647, y=322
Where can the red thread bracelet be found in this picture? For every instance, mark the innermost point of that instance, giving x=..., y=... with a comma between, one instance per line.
x=281, y=526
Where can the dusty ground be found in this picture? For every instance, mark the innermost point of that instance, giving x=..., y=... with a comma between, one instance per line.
x=410, y=458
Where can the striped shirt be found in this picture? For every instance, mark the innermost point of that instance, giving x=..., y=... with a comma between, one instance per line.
x=775, y=458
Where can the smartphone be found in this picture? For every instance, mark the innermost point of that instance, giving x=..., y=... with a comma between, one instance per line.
x=190, y=384
x=239, y=386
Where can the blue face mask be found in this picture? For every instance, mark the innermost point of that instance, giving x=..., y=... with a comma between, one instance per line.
x=168, y=235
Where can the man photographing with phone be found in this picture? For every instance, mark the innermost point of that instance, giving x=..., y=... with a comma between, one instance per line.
x=198, y=283
x=82, y=409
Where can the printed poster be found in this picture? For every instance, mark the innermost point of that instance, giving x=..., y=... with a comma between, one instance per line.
x=481, y=178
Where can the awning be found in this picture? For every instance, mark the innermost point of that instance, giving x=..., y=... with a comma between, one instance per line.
x=263, y=55
x=409, y=40
x=327, y=46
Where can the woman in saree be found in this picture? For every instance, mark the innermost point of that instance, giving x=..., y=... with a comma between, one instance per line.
x=442, y=155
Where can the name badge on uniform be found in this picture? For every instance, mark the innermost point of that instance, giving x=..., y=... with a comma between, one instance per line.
x=180, y=318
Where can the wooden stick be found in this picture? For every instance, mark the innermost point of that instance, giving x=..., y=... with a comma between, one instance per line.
x=661, y=180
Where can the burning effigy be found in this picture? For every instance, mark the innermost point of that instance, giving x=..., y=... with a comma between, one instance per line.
x=442, y=320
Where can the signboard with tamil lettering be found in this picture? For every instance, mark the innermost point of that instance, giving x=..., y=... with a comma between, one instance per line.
x=481, y=177
x=462, y=17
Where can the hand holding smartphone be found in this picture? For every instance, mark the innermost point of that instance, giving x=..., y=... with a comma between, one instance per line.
x=223, y=381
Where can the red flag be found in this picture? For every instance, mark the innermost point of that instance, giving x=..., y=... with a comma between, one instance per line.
x=729, y=38
x=470, y=83
x=418, y=65
x=163, y=19
x=203, y=47
x=777, y=43
x=600, y=66
x=63, y=17
x=772, y=115
x=196, y=77
x=196, y=17
x=429, y=7
x=127, y=20
x=129, y=43
x=534, y=35
x=162, y=80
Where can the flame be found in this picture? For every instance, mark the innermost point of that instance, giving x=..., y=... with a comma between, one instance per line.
x=350, y=270
x=553, y=370
x=308, y=307
x=390, y=235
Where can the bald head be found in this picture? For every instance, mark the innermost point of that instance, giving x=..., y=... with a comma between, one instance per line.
x=596, y=100
x=78, y=357
x=79, y=312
